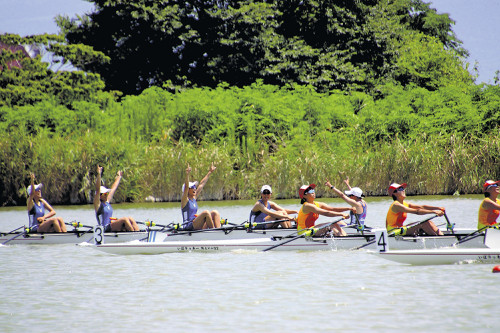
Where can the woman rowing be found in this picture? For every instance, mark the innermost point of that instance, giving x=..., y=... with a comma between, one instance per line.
x=190, y=191
x=39, y=220
x=489, y=209
x=103, y=209
x=354, y=197
x=400, y=208
x=311, y=210
x=262, y=211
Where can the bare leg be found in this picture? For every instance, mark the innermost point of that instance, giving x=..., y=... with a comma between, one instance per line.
x=50, y=225
x=62, y=225
x=215, y=218
x=429, y=228
x=203, y=221
x=121, y=224
x=135, y=227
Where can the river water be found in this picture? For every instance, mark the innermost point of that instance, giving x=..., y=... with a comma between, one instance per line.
x=49, y=288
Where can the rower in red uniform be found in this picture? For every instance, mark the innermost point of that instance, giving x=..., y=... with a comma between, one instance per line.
x=311, y=210
x=400, y=208
x=489, y=210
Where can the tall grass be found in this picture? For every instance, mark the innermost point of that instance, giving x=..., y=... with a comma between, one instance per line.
x=256, y=135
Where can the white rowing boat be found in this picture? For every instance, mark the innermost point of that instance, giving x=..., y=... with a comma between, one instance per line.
x=353, y=240
x=218, y=241
x=70, y=237
x=490, y=253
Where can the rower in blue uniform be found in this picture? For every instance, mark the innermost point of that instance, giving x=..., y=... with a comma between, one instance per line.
x=191, y=220
x=103, y=209
x=39, y=220
x=261, y=212
x=354, y=197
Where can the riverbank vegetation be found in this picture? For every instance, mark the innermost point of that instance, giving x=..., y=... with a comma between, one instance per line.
x=440, y=142
x=410, y=113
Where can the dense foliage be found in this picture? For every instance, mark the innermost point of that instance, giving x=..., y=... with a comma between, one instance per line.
x=439, y=141
x=329, y=44
x=276, y=92
x=34, y=81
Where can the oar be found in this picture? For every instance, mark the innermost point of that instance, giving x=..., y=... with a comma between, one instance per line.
x=8, y=233
x=254, y=224
x=449, y=226
x=16, y=236
x=76, y=224
x=469, y=236
x=150, y=224
x=392, y=231
x=304, y=232
x=359, y=227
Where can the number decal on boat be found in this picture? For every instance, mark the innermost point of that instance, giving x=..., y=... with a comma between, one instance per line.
x=98, y=235
x=381, y=236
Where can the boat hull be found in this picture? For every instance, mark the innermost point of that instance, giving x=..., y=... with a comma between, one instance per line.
x=442, y=256
x=70, y=237
x=216, y=241
x=351, y=241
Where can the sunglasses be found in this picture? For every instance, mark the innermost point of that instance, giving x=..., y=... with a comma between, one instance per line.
x=309, y=191
x=494, y=185
x=400, y=189
x=193, y=187
x=266, y=192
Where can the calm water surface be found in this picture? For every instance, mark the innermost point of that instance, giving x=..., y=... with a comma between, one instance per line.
x=76, y=288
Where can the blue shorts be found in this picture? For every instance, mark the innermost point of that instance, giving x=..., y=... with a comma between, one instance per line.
x=188, y=226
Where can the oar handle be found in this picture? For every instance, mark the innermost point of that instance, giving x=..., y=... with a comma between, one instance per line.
x=449, y=226
x=76, y=224
x=154, y=224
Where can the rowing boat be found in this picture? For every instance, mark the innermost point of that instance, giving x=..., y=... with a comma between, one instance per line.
x=217, y=240
x=490, y=253
x=71, y=237
x=353, y=240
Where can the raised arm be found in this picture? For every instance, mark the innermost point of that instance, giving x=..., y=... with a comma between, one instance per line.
x=357, y=205
x=184, y=198
x=97, y=196
x=205, y=179
x=30, y=202
x=113, y=188
x=346, y=181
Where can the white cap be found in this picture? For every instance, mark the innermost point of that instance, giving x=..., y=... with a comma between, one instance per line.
x=191, y=184
x=356, y=191
x=266, y=187
x=37, y=187
x=104, y=189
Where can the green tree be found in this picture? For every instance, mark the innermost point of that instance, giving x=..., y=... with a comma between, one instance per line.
x=35, y=80
x=341, y=44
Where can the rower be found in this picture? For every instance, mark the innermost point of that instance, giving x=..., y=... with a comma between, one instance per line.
x=103, y=209
x=489, y=209
x=354, y=197
x=189, y=206
x=400, y=208
x=262, y=211
x=311, y=210
x=39, y=221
